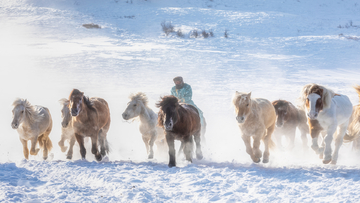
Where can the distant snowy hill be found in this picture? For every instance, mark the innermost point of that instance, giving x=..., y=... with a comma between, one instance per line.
x=272, y=48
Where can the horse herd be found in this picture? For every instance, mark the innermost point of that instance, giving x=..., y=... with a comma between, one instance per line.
x=320, y=111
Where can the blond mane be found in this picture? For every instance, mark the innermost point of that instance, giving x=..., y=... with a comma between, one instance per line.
x=327, y=95
x=140, y=96
x=31, y=113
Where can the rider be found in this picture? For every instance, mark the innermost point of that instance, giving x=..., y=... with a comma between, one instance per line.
x=183, y=92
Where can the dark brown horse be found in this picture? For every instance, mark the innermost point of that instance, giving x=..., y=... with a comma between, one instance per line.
x=180, y=122
x=288, y=118
x=90, y=118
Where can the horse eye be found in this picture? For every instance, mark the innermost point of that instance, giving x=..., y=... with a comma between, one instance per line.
x=247, y=104
x=134, y=104
x=22, y=111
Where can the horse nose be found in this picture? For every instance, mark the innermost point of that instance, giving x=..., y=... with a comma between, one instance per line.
x=240, y=119
x=14, y=125
x=124, y=115
x=64, y=125
x=74, y=112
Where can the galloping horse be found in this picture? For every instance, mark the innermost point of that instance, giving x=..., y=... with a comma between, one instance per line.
x=332, y=111
x=256, y=118
x=90, y=118
x=137, y=107
x=33, y=123
x=353, y=133
x=67, y=130
x=288, y=118
x=180, y=122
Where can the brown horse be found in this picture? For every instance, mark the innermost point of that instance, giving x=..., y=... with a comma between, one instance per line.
x=288, y=118
x=90, y=118
x=180, y=122
x=353, y=132
x=256, y=118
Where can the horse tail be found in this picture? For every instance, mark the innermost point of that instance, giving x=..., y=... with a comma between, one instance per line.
x=44, y=141
x=357, y=89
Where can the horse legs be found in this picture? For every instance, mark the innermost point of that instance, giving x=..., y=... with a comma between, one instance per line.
x=291, y=136
x=146, y=142
x=304, y=129
x=151, y=144
x=328, y=139
x=70, y=152
x=249, y=150
x=188, y=147
x=104, y=145
x=25, y=148
x=34, y=151
x=339, y=141
x=170, y=141
x=61, y=142
x=80, y=140
x=199, y=154
x=94, y=146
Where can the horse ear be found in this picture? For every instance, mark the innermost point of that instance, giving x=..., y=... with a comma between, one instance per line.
x=249, y=95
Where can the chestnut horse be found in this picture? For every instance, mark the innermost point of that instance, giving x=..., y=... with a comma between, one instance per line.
x=90, y=118
x=180, y=122
x=33, y=123
x=256, y=118
x=288, y=118
x=332, y=111
x=353, y=134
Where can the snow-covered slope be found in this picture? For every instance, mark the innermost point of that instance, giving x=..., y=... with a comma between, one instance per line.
x=273, y=49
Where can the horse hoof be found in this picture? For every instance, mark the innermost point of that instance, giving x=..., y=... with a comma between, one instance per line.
x=257, y=161
x=98, y=157
x=45, y=158
x=333, y=162
x=199, y=156
x=150, y=156
x=326, y=161
x=265, y=161
x=171, y=165
x=69, y=157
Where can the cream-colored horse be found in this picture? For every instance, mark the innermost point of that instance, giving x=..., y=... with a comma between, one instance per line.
x=256, y=118
x=67, y=130
x=33, y=123
x=151, y=133
x=353, y=131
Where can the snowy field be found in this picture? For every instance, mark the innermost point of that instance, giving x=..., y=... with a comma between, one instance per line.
x=273, y=49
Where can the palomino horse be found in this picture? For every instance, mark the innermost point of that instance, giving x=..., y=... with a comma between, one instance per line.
x=90, y=118
x=332, y=111
x=288, y=118
x=67, y=130
x=256, y=118
x=151, y=133
x=180, y=122
x=33, y=123
x=353, y=133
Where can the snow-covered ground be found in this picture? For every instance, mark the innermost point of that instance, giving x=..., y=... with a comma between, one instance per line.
x=273, y=49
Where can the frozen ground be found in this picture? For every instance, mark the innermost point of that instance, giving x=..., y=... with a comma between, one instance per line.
x=274, y=48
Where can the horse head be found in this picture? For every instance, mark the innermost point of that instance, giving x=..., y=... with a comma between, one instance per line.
x=282, y=109
x=316, y=98
x=76, y=102
x=168, y=114
x=18, y=112
x=242, y=103
x=65, y=112
x=137, y=103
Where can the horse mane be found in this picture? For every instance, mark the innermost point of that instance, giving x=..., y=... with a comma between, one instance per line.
x=64, y=101
x=325, y=94
x=139, y=96
x=31, y=113
x=280, y=103
x=236, y=98
x=165, y=101
x=88, y=103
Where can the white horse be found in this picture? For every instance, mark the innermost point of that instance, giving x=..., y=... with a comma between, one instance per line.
x=33, y=123
x=332, y=111
x=67, y=130
x=151, y=133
